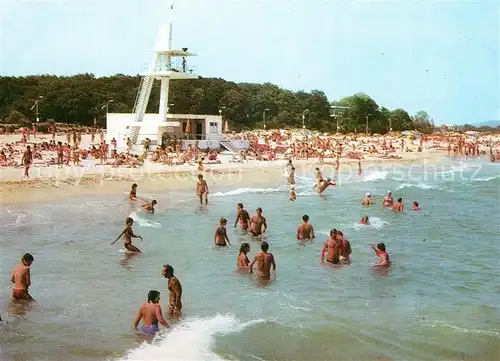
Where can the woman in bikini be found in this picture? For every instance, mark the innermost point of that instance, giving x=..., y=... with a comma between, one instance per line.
x=220, y=237
x=242, y=261
x=128, y=234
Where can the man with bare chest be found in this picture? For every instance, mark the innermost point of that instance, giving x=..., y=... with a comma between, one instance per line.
x=333, y=248
x=21, y=278
x=305, y=231
x=27, y=160
x=264, y=262
x=258, y=224
x=175, y=291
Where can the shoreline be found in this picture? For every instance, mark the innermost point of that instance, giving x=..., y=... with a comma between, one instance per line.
x=52, y=183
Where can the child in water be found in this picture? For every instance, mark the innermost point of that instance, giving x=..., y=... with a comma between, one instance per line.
x=415, y=206
x=133, y=192
x=128, y=234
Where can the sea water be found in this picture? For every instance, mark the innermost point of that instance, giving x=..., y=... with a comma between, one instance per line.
x=439, y=300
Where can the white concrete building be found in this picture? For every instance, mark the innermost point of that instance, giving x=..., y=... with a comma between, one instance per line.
x=166, y=64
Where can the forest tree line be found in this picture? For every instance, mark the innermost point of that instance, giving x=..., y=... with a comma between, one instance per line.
x=80, y=99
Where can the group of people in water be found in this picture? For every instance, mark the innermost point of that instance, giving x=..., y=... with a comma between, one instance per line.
x=336, y=249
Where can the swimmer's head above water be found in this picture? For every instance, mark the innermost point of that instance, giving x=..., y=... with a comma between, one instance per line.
x=244, y=248
x=154, y=202
x=27, y=259
x=259, y=210
x=239, y=206
x=153, y=297
x=129, y=221
x=223, y=221
x=134, y=186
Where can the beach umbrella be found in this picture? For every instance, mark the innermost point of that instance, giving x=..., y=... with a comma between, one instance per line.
x=226, y=127
x=188, y=127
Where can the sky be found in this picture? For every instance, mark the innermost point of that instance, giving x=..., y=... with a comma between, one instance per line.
x=438, y=56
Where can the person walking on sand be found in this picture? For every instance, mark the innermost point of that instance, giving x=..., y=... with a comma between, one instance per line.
x=151, y=315
x=21, y=278
x=128, y=234
x=175, y=291
x=27, y=160
x=202, y=189
x=264, y=261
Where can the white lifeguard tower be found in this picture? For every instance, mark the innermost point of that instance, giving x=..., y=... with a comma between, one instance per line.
x=166, y=64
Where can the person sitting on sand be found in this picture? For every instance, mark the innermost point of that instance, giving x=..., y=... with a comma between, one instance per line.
x=149, y=207
x=242, y=261
x=398, y=207
x=305, y=231
x=21, y=278
x=383, y=256
x=242, y=216
x=415, y=206
x=220, y=236
x=151, y=313
x=364, y=220
x=128, y=234
x=324, y=184
x=367, y=200
x=202, y=189
x=388, y=201
x=133, y=192
x=258, y=224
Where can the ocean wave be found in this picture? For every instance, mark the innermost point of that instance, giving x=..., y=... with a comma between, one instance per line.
x=238, y=191
x=418, y=185
x=486, y=179
x=374, y=176
x=435, y=324
x=142, y=222
x=192, y=339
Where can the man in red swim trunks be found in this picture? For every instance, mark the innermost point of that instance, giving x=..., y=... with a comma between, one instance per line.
x=21, y=279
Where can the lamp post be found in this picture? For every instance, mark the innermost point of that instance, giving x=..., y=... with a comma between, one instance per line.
x=335, y=111
x=304, y=118
x=35, y=105
x=366, y=125
x=221, y=109
x=264, y=117
x=107, y=106
x=390, y=125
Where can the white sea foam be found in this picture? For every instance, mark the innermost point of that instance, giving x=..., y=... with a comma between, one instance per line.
x=375, y=222
x=142, y=222
x=238, y=191
x=25, y=218
x=417, y=185
x=374, y=176
x=190, y=340
x=485, y=179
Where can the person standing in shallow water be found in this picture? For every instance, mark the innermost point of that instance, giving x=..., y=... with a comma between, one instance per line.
x=151, y=315
x=264, y=262
x=220, y=236
x=128, y=234
x=258, y=224
x=133, y=192
x=202, y=189
x=21, y=278
x=175, y=291
x=305, y=231
x=398, y=207
x=242, y=261
x=242, y=216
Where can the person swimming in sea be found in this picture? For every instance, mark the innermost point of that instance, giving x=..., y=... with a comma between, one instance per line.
x=220, y=236
x=128, y=234
x=364, y=220
x=367, y=200
x=149, y=207
x=388, y=201
x=415, y=206
x=133, y=192
x=242, y=216
x=151, y=315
